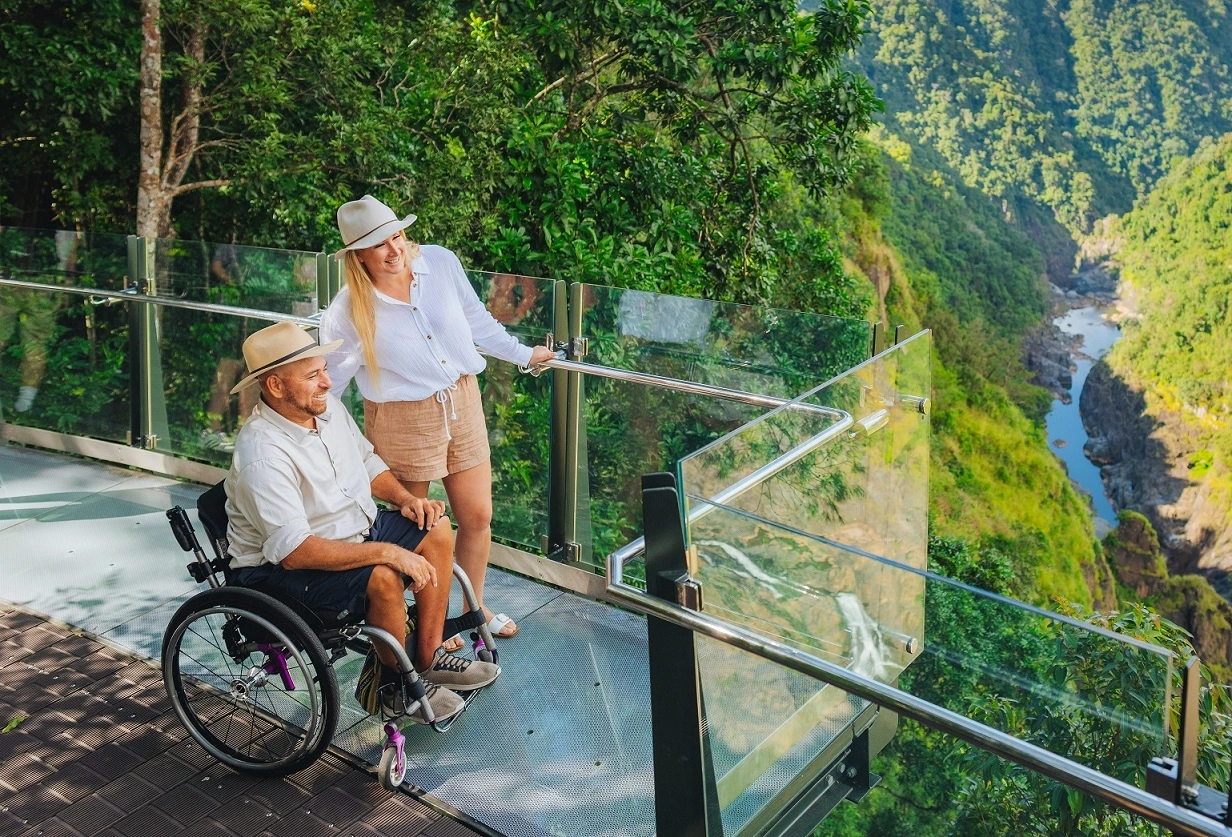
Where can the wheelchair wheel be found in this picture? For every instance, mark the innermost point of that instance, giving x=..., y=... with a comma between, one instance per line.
x=392, y=769
x=250, y=681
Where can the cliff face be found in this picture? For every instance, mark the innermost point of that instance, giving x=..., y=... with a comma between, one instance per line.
x=1188, y=600
x=1145, y=458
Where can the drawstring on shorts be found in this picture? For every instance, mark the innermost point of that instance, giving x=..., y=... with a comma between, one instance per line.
x=450, y=414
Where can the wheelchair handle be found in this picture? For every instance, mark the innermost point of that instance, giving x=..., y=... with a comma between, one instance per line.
x=183, y=529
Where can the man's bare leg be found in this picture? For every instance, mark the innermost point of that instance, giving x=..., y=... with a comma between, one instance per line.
x=387, y=602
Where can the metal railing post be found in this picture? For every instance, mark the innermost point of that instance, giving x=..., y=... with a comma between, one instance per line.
x=1187, y=732
x=148, y=426
x=575, y=533
x=561, y=482
x=324, y=297
x=336, y=280
x=686, y=795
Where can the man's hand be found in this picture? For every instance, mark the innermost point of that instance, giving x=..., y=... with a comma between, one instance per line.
x=423, y=512
x=413, y=567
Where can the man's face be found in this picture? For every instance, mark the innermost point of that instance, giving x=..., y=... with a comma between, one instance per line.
x=298, y=389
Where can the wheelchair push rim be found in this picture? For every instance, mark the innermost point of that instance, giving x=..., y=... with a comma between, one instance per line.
x=250, y=682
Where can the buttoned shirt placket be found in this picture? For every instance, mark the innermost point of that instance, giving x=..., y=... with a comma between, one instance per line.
x=315, y=433
x=420, y=320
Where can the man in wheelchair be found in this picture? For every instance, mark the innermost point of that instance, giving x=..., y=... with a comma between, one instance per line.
x=302, y=518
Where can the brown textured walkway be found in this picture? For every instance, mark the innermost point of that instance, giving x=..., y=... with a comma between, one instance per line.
x=93, y=747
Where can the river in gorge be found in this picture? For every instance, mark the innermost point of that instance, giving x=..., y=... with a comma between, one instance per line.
x=1066, y=435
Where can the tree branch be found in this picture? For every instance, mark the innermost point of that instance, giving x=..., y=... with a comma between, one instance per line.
x=200, y=184
x=593, y=70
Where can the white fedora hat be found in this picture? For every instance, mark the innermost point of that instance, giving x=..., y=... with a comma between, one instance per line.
x=366, y=222
x=276, y=345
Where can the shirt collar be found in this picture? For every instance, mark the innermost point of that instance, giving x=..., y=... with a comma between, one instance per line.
x=296, y=431
x=420, y=267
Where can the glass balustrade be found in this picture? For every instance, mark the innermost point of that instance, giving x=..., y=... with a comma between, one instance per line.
x=633, y=428
x=809, y=527
x=762, y=350
x=282, y=281
x=518, y=409
x=64, y=257
x=63, y=357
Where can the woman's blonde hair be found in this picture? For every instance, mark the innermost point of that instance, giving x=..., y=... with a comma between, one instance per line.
x=363, y=310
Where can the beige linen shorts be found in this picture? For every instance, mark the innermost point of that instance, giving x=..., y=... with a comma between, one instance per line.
x=411, y=435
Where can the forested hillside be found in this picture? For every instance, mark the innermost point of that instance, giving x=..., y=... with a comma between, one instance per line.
x=1176, y=277
x=1077, y=107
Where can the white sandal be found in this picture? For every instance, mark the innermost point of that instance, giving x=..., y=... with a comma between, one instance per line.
x=498, y=622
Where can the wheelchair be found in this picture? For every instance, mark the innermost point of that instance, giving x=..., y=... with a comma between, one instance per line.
x=250, y=672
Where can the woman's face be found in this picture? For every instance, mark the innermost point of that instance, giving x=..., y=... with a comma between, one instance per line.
x=387, y=259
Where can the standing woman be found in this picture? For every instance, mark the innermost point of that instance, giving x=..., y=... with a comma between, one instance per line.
x=410, y=321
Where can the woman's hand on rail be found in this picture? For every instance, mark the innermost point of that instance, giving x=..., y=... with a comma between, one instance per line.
x=541, y=354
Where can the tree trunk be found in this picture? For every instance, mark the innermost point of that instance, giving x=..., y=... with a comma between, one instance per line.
x=150, y=209
x=185, y=129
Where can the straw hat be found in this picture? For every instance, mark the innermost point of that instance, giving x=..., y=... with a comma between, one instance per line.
x=366, y=222
x=276, y=345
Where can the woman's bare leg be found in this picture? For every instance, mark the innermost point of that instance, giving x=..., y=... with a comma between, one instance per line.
x=470, y=505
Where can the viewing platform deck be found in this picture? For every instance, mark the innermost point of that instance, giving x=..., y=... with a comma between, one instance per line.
x=560, y=744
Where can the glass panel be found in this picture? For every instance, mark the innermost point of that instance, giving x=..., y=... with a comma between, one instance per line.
x=849, y=462
x=810, y=527
x=1083, y=692
x=631, y=430
x=64, y=363
x=201, y=354
x=201, y=360
x=762, y=350
x=282, y=281
x=64, y=257
x=518, y=408
x=63, y=358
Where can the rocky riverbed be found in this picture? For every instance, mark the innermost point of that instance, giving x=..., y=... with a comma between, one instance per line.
x=1146, y=457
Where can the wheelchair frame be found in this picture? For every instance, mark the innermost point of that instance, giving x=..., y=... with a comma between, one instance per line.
x=250, y=672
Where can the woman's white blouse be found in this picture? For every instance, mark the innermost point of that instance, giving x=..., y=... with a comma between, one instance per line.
x=425, y=345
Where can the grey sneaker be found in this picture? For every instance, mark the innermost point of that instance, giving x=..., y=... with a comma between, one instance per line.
x=445, y=703
x=459, y=673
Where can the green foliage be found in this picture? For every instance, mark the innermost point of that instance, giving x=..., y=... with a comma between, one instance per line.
x=1084, y=695
x=1177, y=262
x=953, y=264
x=68, y=80
x=1076, y=106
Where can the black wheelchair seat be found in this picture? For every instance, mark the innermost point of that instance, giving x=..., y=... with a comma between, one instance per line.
x=212, y=511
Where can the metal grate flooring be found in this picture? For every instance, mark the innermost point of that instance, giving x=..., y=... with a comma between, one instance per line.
x=560, y=745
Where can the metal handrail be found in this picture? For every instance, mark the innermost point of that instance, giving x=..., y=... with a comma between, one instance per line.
x=1068, y=772
x=616, y=561
x=692, y=387
x=313, y=321
x=131, y=295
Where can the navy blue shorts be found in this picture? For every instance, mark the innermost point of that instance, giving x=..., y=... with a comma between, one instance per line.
x=335, y=590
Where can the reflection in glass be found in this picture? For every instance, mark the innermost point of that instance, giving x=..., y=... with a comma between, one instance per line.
x=761, y=350
x=634, y=429
x=282, y=281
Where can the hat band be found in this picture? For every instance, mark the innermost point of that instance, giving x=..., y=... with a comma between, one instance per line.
x=369, y=232
x=282, y=359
